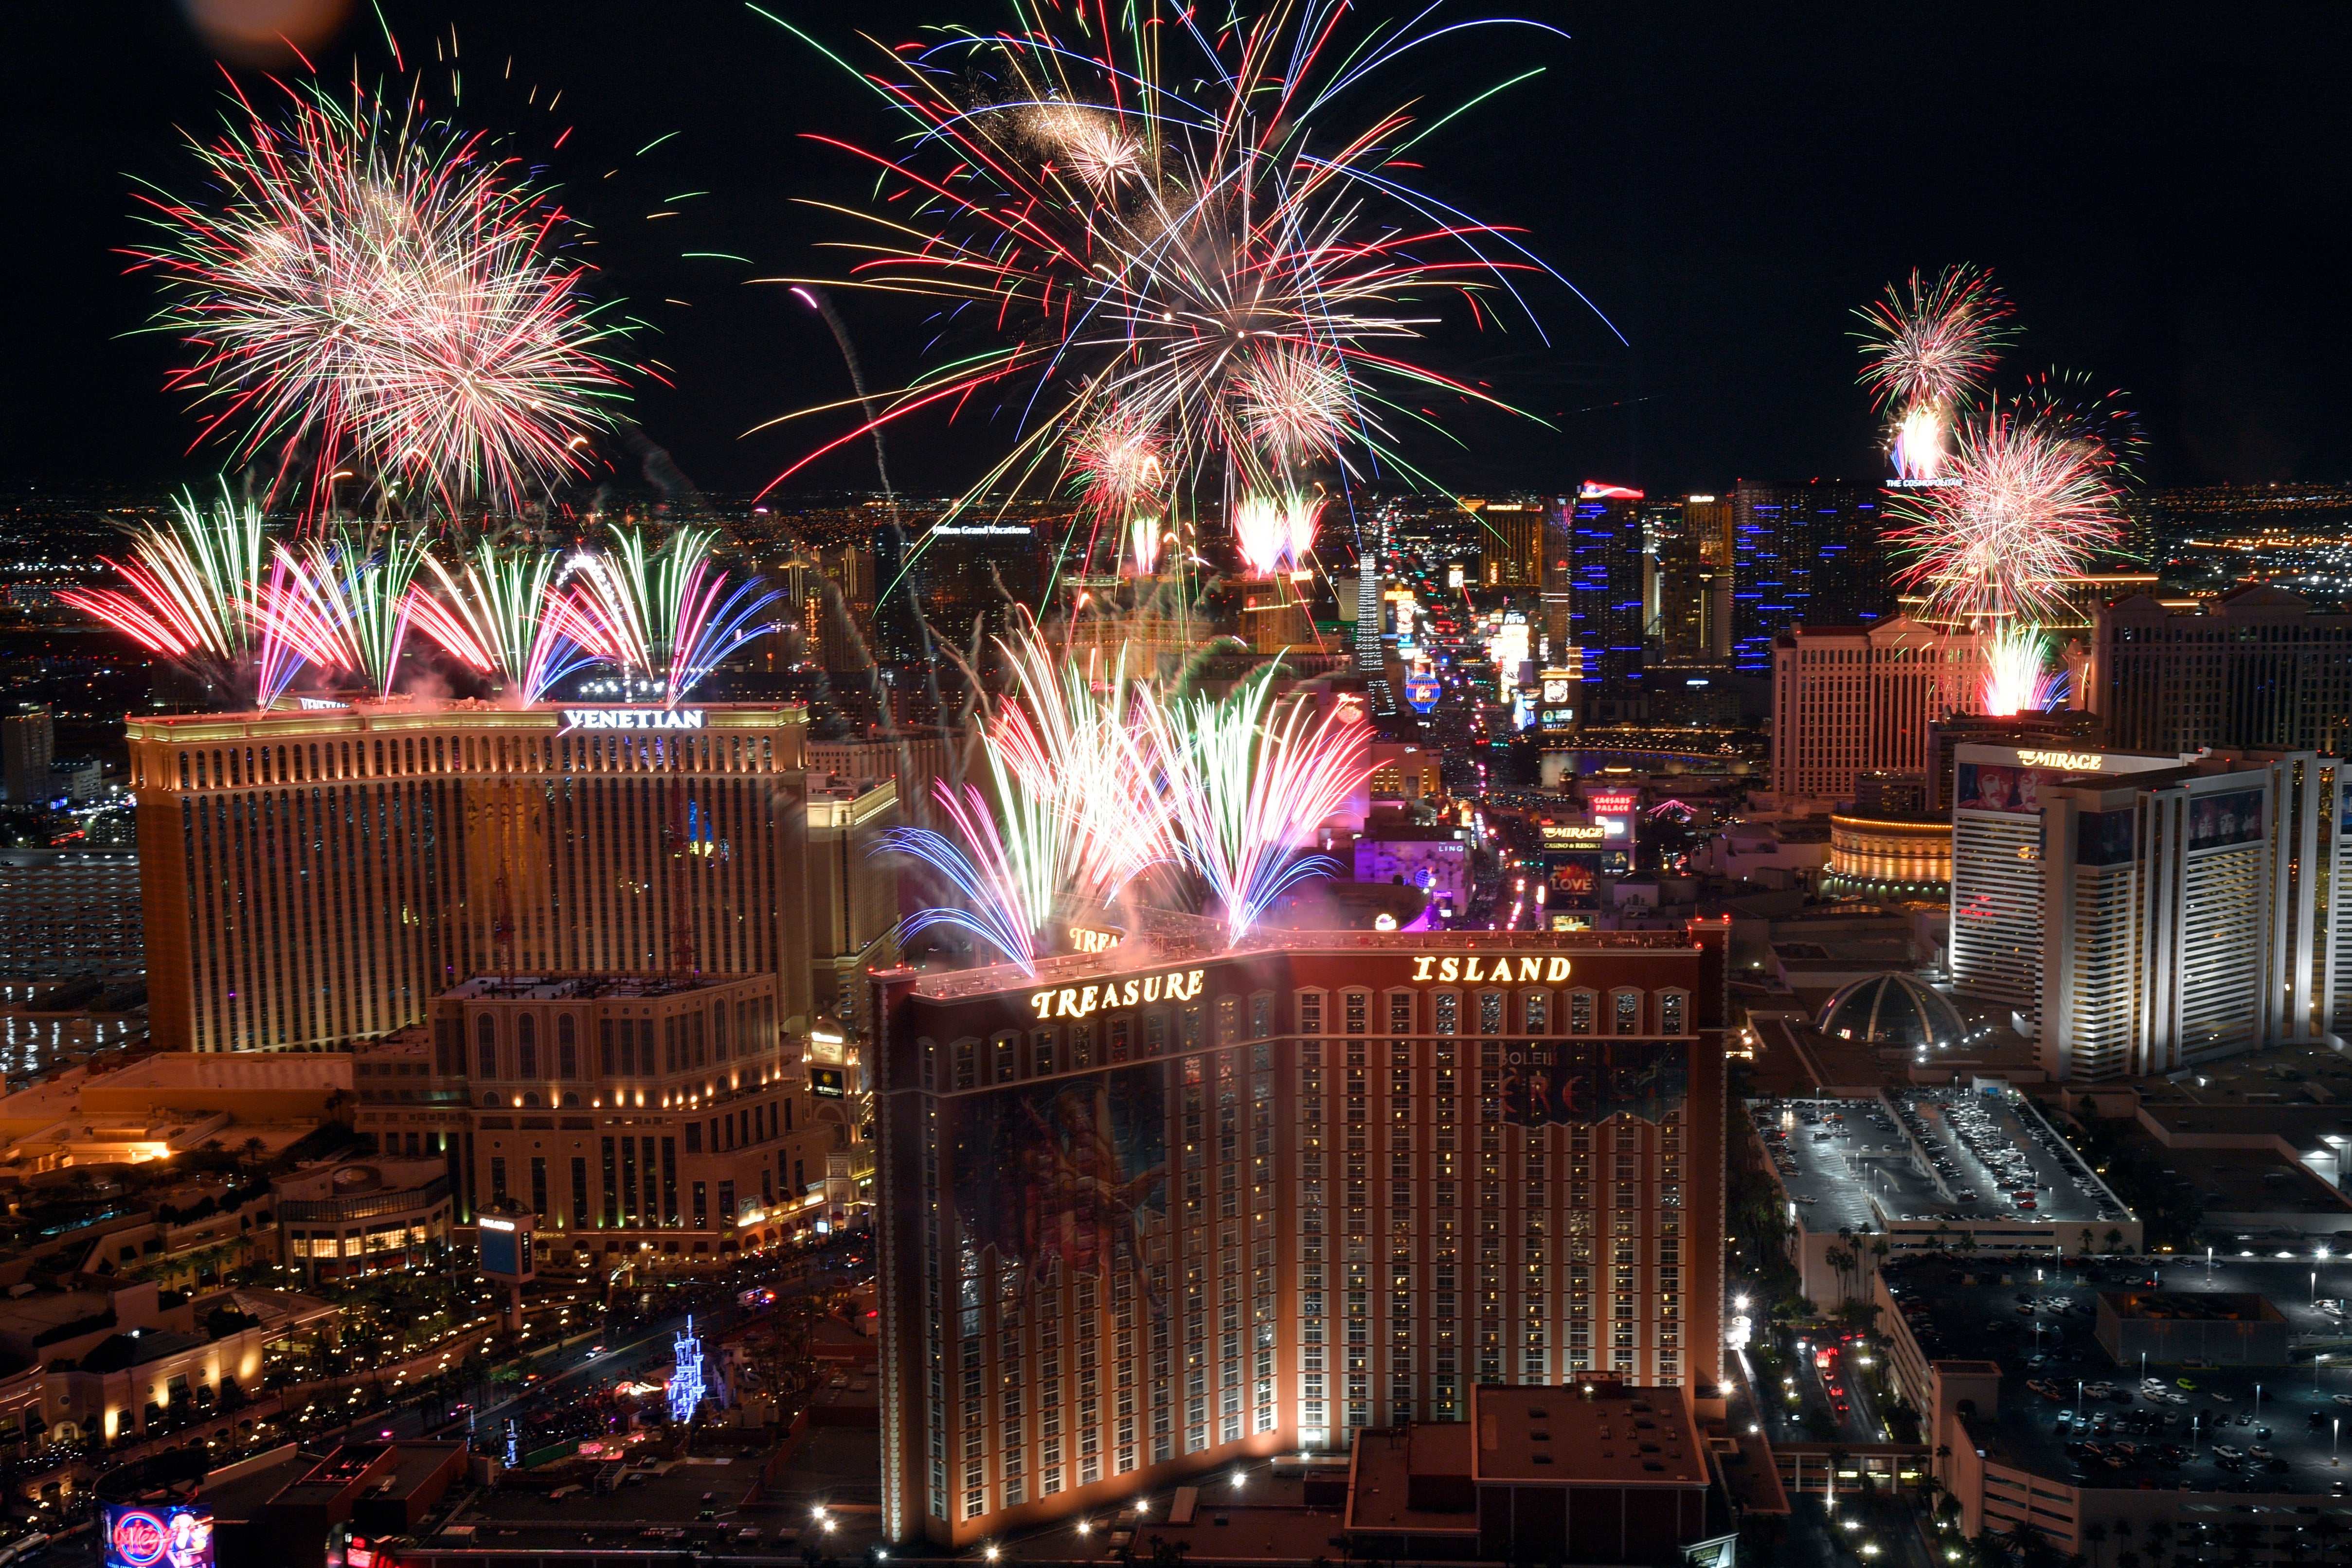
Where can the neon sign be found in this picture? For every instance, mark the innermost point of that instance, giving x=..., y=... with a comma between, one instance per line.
x=633, y=718
x=1080, y=1001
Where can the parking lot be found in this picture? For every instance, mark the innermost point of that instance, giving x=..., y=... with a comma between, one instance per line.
x=2067, y=1409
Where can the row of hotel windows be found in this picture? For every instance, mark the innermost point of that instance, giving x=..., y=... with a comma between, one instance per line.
x=1622, y=1009
x=621, y=1051
x=238, y=765
x=620, y=1165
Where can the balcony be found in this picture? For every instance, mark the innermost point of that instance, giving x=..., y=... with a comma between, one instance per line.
x=362, y=1206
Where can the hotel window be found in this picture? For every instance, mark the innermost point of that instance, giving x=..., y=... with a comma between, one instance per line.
x=1003, y=1048
x=966, y=1068
x=1041, y=1053
x=1447, y=1006
x=526, y=1047
x=1082, y=1045
x=567, y=1047
x=1229, y=1019
x=1670, y=1013
x=1155, y=1033
x=1119, y=1039
x=1262, y=1015
x=1490, y=1012
x=1310, y=1012
x=1357, y=1002
x=1537, y=1007
x=485, y=1035
x=1628, y=1011
x=1579, y=1013
x=1400, y=1012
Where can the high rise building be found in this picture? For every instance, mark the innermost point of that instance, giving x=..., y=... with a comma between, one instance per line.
x=1802, y=552
x=1854, y=700
x=28, y=742
x=2142, y=913
x=311, y=878
x=1511, y=544
x=1152, y=1212
x=1609, y=564
x=65, y=912
x=2255, y=667
x=1692, y=549
x=852, y=892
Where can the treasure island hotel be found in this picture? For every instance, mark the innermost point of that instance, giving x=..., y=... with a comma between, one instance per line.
x=1161, y=1208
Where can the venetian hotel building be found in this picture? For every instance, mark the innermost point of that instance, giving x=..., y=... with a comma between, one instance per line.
x=313, y=877
x=1158, y=1208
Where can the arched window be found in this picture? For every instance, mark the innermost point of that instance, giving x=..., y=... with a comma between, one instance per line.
x=491, y=1100
x=526, y=1046
x=530, y=1101
x=571, y=1100
x=486, y=1036
x=567, y=1048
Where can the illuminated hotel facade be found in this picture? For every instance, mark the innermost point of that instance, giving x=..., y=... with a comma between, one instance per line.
x=2142, y=913
x=1851, y=700
x=1166, y=1206
x=313, y=877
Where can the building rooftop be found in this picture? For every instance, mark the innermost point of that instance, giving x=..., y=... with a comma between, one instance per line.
x=585, y=988
x=2191, y=1306
x=1605, y=1433
x=1168, y=939
x=1946, y=1155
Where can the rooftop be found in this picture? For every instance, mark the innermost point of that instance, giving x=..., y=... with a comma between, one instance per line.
x=1170, y=939
x=586, y=988
x=1605, y=1433
x=1933, y=1155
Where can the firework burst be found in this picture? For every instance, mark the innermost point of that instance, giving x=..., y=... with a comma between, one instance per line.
x=1924, y=347
x=1158, y=224
x=2030, y=498
x=374, y=294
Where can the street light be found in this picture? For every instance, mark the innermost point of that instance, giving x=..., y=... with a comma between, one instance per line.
x=2314, y=1370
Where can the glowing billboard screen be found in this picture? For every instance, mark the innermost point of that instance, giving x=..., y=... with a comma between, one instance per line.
x=158, y=1535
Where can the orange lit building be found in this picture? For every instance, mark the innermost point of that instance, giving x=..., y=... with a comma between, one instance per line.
x=1153, y=1210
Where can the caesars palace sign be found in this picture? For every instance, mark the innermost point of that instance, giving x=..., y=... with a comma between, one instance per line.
x=1083, y=1001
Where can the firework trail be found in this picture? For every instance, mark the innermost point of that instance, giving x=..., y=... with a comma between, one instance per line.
x=2017, y=677
x=1167, y=238
x=370, y=287
x=186, y=584
x=2032, y=495
x=1925, y=348
x=507, y=614
x=294, y=623
x=1247, y=785
x=985, y=876
x=665, y=610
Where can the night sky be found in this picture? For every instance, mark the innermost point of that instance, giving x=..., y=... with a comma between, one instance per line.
x=2162, y=190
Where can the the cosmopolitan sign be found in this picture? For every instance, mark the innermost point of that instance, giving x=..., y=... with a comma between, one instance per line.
x=633, y=718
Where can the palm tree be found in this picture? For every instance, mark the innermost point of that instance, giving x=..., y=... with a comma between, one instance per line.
x=2097, y=1536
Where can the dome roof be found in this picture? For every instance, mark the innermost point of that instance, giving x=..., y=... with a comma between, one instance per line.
x=1893, y=1009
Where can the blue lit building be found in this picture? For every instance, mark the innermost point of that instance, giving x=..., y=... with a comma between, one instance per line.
x=1606, y=565
x=1807, y=553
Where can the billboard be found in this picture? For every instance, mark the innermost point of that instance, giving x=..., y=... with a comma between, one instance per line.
x=1422, y=692
x=158, y=1535
x=1573, y=878
x=1579, y=1082
x=828, y=1082
x=1070, y=1172
x=2217, y=822
x=1999, y=787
